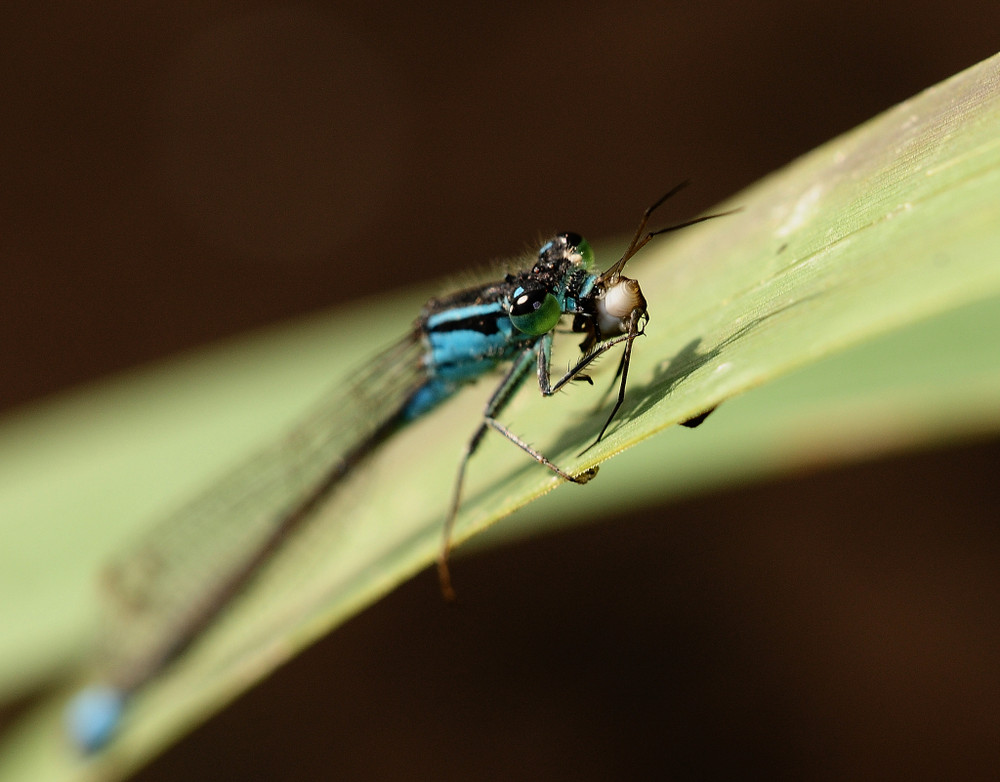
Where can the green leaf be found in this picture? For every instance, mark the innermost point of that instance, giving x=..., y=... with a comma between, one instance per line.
x=885, y=241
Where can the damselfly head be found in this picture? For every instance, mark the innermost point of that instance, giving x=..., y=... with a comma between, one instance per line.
x=567, y=247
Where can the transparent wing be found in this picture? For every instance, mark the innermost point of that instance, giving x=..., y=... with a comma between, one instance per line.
x=161, y=589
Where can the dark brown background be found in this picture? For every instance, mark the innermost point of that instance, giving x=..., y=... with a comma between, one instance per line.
x=173, y=173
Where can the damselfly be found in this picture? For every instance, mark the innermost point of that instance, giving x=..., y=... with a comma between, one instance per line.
x=177, y=582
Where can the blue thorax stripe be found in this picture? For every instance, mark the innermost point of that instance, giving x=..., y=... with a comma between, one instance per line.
x=453, y=318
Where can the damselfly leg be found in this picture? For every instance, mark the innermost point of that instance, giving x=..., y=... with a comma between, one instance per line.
x=537, y=354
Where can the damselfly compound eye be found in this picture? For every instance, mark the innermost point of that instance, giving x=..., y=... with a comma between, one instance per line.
x=568, y=246
x=578, y=250
x=535, y=312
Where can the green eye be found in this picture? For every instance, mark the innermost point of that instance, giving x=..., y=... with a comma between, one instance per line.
x=571, y=246
x=586, y=253
x=535, y=312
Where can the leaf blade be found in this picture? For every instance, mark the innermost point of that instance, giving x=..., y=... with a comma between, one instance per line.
x=889, y=225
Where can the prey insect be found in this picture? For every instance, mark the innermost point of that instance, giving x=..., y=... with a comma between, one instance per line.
x=177, y=582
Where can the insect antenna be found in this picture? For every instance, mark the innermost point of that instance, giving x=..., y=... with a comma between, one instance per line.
x=639, y=239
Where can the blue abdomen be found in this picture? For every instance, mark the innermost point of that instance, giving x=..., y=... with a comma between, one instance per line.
x=92, y=717
x=462, y=344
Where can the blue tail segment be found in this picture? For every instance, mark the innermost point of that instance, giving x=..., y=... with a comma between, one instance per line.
x=93, y=716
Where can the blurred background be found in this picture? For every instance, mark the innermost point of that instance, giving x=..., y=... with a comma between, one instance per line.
x=177, y=173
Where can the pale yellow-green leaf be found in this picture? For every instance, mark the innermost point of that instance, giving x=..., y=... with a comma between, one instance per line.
x=871, y=266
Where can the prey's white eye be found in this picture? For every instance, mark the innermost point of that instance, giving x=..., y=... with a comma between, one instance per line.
x=623, y=297
x=618, y=304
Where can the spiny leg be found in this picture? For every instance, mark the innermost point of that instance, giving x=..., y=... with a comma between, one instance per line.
x=498, y=401
x=583, y=363
x=599, y=404
x=444, y=573
x=583, y=477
